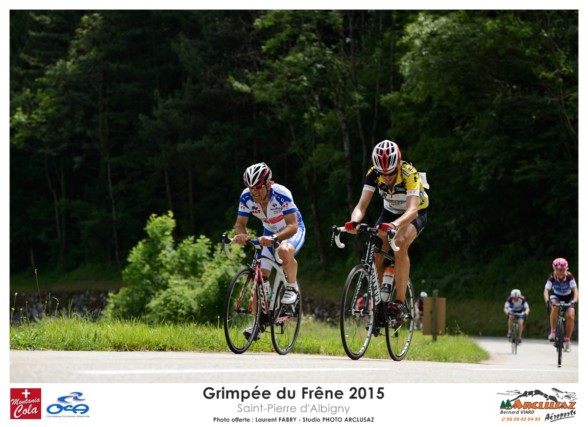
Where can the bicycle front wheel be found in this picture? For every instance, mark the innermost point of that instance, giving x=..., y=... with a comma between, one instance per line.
x=241, y=321
x=399, y=333
x=286, y=322
x=356, y=318
x=515, y=336
x=560, y=333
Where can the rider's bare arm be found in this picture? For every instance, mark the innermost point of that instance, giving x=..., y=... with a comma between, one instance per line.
x=240, y=227
x=546, y=295
x=362, y=205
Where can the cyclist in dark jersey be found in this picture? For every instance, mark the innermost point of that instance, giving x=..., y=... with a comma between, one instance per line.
x=564, y=288
x=405, y=209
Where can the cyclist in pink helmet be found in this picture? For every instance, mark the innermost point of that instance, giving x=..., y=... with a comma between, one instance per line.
x=402, y=188
x=564, y=288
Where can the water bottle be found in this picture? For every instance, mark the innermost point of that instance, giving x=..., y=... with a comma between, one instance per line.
x=387, y=281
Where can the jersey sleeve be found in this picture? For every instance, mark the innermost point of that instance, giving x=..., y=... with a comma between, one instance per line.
x=371, y=180
x=284, y=197
x=244, y=209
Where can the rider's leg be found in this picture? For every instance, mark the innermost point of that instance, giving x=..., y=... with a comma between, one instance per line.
x=404, y=238
x=521, y=323
x=553, y=316
x=286, y=252
x=289, y=263
x=570, y=320
x=510, y=317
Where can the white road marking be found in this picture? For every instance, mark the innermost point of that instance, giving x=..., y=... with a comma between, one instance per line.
x=226, y=371
x=513, y=369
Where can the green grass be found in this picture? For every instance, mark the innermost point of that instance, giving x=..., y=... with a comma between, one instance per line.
x=77, y=333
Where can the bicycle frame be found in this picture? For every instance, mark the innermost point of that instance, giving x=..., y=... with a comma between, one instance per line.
x=255, y=267
x=374, y=245
x=280, y=277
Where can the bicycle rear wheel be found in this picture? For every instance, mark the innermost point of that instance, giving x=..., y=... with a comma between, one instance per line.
x=514, y=339
x=241, y=312
x=286, y=322
x=560, y=333
x=399, y=334
x=356, y=318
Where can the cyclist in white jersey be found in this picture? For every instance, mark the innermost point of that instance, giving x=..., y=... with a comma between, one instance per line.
x=273, y=204
x=564, y=288
x=516, y=307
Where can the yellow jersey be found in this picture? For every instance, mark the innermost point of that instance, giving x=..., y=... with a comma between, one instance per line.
x=409, y=182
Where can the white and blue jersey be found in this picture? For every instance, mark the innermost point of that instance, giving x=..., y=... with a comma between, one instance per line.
x=279, y=205
x=516, y=305
x=561, y=287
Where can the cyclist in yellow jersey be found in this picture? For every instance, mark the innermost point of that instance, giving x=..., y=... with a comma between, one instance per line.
x=405, y=209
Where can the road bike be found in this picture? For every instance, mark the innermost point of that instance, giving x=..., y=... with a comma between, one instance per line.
x=560, y=328
x=514, y=338
x=251, y=309
x=363, y=314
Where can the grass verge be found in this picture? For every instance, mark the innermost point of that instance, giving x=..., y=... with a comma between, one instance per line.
x=80, y=334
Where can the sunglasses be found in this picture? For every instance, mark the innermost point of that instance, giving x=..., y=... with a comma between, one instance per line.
x=257, y=187
x=394, y=172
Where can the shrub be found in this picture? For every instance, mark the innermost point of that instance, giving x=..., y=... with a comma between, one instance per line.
x=165, y=282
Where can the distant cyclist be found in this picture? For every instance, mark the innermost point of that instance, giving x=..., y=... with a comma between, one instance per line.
x=405, y=210
x=419, y=309
x=564, y=288
x=516, y=306
x=274, y=206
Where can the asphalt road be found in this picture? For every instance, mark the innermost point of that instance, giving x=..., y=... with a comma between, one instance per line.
x=534, y=363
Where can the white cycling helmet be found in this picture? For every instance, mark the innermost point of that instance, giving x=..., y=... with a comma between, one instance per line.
x=257, y=174
x=515, y=293
x=424, y=294
x=386, y=156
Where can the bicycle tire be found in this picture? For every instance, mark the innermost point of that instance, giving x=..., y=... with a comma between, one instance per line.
x=285, y=324
x=514, y=339
x=560, y=332
x=240, y=312
x=356, y=323
x=399, y=336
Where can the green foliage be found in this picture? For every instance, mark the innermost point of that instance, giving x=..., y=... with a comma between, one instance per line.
x=118, y=114
x=176, y=304
x=165, y=282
